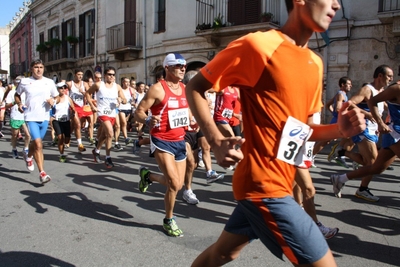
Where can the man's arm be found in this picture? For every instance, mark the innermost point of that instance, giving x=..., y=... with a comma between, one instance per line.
x=121, y=96
x=152, y=97
x=389, y=93
x=224, y=148
x=95, y=87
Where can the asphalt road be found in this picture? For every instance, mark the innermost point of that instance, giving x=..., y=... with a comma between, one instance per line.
x=91, y=216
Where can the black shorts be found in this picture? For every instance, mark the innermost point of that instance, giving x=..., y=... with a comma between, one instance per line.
x=191, y=139
x=62, y=128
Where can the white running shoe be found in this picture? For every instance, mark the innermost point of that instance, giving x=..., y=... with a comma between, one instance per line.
x=190, y=197
x=337, y=186
x=214, y=176
x=44, y=178
x=327, y=232
x=201, y=164
x=366, y=195
x=29, y=165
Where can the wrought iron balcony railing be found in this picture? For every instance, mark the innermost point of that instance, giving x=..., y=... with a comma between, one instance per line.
x=213, y=14
x=389, y=5
x=124, y=36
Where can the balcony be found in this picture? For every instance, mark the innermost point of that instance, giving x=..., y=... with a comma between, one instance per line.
x=21, y=68
x=218, y=20
x=55, y=62
x=124, y=39
x=388, y=11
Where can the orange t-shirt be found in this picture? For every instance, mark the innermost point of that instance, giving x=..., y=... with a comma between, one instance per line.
x=277, y=79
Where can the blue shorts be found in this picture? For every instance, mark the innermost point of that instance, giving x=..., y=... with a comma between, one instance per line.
x=388, y=140
x=221, y=122
x=176, y=149
x=283, y=227
x=365, y=135
x=37, y=129
x=333, y=120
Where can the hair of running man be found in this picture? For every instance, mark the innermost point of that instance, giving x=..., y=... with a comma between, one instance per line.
x=189, y=75
x=343, y=80
x=382, y=69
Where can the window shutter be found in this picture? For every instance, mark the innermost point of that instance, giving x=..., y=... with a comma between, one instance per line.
x=81, y=35
x=93, y=40
x=242, y=12
x=64, y=43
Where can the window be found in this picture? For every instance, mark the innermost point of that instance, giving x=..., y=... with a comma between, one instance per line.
x=68, y=29
x=86, y=33
x=242, y=12
x=160, y=16
x=55, y=43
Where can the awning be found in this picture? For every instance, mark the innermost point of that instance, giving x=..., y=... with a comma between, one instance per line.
x=3, y=71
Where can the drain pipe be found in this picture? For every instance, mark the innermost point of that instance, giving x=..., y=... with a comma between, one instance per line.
x=145, y=43
x=96, y=5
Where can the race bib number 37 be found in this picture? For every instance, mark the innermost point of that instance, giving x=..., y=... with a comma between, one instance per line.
x=293, y=140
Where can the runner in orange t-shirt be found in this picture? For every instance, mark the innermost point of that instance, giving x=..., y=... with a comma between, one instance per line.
x=280, y=83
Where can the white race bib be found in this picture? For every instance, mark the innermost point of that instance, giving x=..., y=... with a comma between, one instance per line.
x=293, y=140
x=227, y=113
x=178, y=118
x=107, y=111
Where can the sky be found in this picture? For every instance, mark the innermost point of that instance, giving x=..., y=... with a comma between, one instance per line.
x=8, y=10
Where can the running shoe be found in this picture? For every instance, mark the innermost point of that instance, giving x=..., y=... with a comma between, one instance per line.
x=44, y=178
x=136, y=147
x=190, y=197
x=1, y=135
x=355, y=165
x=337, y=186
x=29, y=165
x=63, y=159
x=55, y=141
x=144, y=182
x=127, y=141
x=96, y=156
x=109, y=163
x=172, y=228
x=25, y=154
x=327, y=232
x=201, y=164
x=91, y=141
x=117, y=147
x=342, y=162
x=81, y=148
x=366, y=195
x=15, y=154
x=214, y=176
x=332, y=154
x=66, y=145
x=20, y=137
x=390, y=168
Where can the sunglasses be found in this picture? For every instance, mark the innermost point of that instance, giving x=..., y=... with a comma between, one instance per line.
x=111, y=74
x=179, y=66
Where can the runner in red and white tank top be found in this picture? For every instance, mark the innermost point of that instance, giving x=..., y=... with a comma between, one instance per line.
x=174, y=115
x=224, y=109
x=170, y=115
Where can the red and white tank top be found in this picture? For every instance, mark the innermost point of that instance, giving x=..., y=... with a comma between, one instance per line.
x=174, y=114
x=225, y=104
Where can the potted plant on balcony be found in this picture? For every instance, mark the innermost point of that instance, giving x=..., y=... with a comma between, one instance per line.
x=55, y=42
x=41, y=48
x=72, y=39
x=218, y=22
x=266, y=16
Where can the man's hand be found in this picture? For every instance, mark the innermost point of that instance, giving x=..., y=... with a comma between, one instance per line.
x=225, y=152
x=350, y=120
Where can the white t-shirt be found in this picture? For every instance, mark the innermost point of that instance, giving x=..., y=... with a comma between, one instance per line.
x=36, y=93
x=15, y=114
